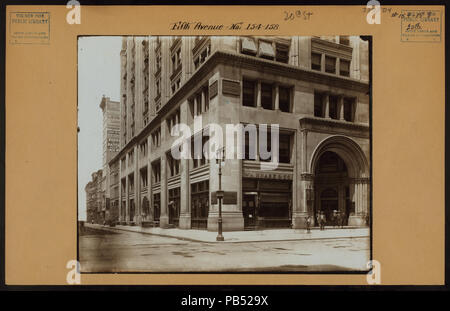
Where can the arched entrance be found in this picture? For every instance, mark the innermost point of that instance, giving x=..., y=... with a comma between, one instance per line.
x=340, y=182
x=331, y=182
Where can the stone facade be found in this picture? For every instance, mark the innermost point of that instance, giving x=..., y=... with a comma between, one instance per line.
x=95, y=199
x=315, y=88
x=111, y=146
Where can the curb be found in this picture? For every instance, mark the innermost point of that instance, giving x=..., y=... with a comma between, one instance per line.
x=202, y=241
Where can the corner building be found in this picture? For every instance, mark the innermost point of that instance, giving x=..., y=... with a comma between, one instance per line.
x=315, y=88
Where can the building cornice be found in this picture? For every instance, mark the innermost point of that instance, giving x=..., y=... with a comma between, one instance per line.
x=315, y=124
x=247, y=62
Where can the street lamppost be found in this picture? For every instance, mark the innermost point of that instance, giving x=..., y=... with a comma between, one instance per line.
x=220, y=157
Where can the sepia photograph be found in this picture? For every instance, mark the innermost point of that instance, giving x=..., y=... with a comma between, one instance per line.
x=224, y=154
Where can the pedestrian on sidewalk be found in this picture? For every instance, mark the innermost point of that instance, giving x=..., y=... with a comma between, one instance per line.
x=308, y=224
x=322, y=220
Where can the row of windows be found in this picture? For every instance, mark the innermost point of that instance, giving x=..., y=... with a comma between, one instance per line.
x=330, y=64
x=284, y=146
x=265, y=48
x=346, y=111
x=202, y=55
x=267, y=92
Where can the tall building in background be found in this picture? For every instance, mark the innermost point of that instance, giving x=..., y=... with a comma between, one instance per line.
x=111, y=146
x=315, y=88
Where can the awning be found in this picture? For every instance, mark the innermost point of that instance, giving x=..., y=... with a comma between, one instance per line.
x=248, y=45
x=266, y=49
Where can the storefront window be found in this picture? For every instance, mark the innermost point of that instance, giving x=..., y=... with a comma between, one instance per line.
x=199, y=204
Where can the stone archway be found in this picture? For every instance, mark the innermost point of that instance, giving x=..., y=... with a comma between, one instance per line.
x=338, y=163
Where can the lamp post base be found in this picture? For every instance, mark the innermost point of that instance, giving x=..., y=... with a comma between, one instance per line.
x=220, y=238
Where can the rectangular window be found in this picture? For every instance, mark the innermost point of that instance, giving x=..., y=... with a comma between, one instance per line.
x=266, y=155
x=158, y=61
x=175, y=85
x=131, y=183
x=158, y=88
x=130, y=158
x=266, y=96
x=197, y=155
x=249, y=92
x=156, y=206
x=266, y=50
x=284, y=99
x=330, y=64
x=349, y=106
x=285, y=148
x=123, y=184
x=344, y=68
x=333, y=107
x=191, y=107
x=144, y=180
x=345, y=40
x=316, y=60
x=199, y=204
x=250, y=138
x=173, y=120
x=248, y=46
x=156, y=137
x=318, y=105
x=282, y=53
x=174, y=165
x=143, y=149
x=198, y=97
x=156, y=171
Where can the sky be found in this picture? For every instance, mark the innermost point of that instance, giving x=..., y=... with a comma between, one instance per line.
x=98, y=75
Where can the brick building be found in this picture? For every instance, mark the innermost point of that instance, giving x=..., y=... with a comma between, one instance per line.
x=95, y=198
x=315, y=88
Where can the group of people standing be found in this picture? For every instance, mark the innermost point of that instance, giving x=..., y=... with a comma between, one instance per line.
x=337, y=219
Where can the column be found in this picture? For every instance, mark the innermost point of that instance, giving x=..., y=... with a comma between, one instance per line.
x=120, y=190
x=338, y=66
x=137, y=186
x=127, y=203
x=303, y=151
x=326, y=105
x=358, y=218
x=364, y=200
x=149, y=181
x=277, y=97
x=305, y=200
x=258, y=94
x=341, y=108
x=185, y=213
x=322, y=62
x=202, y=107
x=164, y=219
x=195, y=106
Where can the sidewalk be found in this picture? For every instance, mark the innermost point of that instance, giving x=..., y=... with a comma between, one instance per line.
x=243, y=236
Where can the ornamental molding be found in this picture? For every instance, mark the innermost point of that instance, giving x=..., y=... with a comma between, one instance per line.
x=331, y=126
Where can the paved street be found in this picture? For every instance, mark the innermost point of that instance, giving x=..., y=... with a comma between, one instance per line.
x=104, y=250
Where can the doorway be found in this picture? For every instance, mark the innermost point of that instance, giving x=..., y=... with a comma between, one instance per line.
x=249, y=210
x=329, y=205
